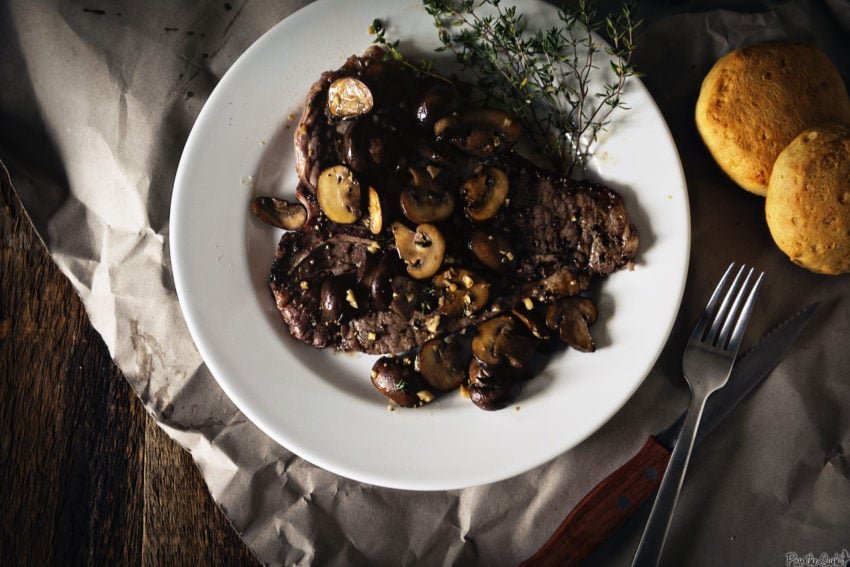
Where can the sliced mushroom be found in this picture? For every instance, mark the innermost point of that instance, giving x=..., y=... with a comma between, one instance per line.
x=376, y=211
x=494, y=249
x=572, y=317
x=495, y=397
x=307, y=197
x=533, y=321
x=338, y=192
x=424, y=200
x=448, y=128
x=440, y=362
x=337, y=299
x=422, y=250
x=366, y=146
x=436, y=102
x=484, y=193
x=279, y=213
x=377, y=278
x=349, y=97
x=501, y=341
x=367, y=267
x=462, y=292
x=481, y=132
x=433, y=151
x=396, y=378
x=481, y=374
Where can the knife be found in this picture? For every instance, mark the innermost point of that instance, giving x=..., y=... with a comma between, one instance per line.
x=614, y=499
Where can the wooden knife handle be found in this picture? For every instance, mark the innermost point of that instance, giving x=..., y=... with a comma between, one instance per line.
x=604, y=508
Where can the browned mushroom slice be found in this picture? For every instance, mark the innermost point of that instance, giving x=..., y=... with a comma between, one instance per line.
x=494, y=387
x=422, y=250
x=279, y=213
x=533, y=321
x=572, y=317
x=424, y=200
x=349, y=97
x=440, y=362
x=376, y=211
x=481, y=132
x=436, y=102
x=501, y=341
x=484, y=193
x=367, y=266
x=481, y=374
x=496, y=397
x=493, y=249
x=378, y=279
x=338, y=300
x=367, y=146
x=462, y=292
x=396, y=378
x=338, y=192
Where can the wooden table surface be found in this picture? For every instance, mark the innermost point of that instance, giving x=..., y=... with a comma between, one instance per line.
x=87, y=476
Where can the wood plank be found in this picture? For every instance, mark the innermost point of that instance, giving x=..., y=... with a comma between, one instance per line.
x=69, y=488
x=87, y=475
x=180, y=514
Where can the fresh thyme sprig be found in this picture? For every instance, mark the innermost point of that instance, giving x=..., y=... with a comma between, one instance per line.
x=392, y=52
x=544, y=77
x=390, y=47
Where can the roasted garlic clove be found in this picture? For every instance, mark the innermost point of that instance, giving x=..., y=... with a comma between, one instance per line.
x=349, y=97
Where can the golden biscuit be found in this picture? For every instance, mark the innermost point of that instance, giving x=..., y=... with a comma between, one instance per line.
x=808, y=199
x=755, y=100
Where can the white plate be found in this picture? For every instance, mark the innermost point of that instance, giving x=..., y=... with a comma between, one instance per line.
x=321, y=405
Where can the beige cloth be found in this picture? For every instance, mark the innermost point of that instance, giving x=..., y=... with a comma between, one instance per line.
x=95, y=106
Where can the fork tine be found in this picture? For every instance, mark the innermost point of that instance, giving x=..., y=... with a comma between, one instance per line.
x=743, y=319
x=724, y=311
x=731, y=317
x=706, y=316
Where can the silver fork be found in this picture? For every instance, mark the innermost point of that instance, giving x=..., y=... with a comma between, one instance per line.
x=707, y=364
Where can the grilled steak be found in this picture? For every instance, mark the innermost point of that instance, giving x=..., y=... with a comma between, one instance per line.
x=513, y=233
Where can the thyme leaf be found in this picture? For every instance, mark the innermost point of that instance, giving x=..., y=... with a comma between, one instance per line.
x=542, y=77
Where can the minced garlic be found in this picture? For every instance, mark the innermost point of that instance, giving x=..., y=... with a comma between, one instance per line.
x=425, y=395
x=349, y=297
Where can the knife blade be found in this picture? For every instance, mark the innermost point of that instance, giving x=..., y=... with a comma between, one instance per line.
x=616, y=497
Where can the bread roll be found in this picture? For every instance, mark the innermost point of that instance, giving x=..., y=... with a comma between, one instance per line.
x=755, y=100
x=808, y=199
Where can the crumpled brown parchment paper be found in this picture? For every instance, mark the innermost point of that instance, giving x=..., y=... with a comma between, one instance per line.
x=95, y=105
